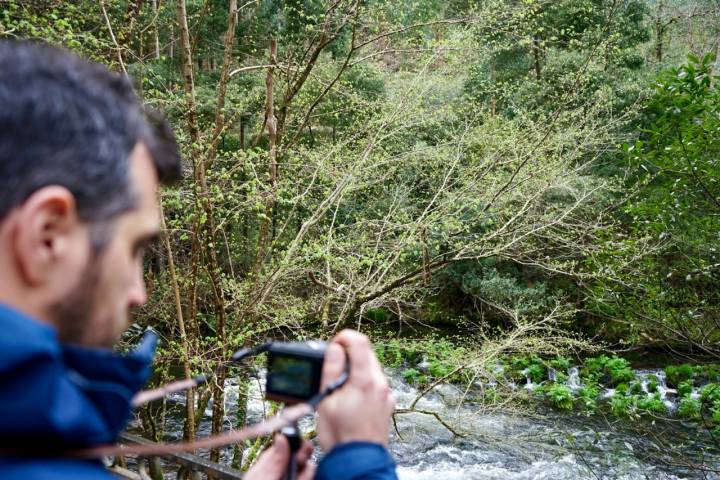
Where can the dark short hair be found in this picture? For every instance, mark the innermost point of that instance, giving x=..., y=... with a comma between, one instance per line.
x=69, y=122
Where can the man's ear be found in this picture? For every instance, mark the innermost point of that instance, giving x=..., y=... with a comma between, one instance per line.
x=46, y=224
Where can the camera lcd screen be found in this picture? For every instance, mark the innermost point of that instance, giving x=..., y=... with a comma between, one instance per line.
x=291, y=376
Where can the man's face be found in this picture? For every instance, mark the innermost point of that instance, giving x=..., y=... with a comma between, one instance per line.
x=97, y=309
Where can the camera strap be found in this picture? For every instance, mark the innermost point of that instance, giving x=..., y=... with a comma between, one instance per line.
x=286, y=417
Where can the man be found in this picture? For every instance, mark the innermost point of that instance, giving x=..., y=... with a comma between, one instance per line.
x=80, y=164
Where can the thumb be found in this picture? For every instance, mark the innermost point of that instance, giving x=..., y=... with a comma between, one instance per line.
x=334, y=364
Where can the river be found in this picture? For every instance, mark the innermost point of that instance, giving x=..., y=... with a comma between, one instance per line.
x=505, y=444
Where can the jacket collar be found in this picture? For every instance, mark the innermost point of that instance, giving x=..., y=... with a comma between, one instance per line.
x=109, y=379
x=55, y=393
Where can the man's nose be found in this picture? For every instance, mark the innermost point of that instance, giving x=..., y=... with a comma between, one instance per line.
x=138, y=293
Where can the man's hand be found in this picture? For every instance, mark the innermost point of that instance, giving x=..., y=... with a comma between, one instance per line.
x=360, y=410
x=274, y=461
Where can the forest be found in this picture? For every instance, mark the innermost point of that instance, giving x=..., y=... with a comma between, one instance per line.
x=505, y=195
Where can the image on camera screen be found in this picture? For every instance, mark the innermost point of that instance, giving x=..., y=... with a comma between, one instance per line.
x=291, y=376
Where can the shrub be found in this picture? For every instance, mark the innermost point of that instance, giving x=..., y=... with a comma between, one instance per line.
x=619, y=370
x=710, y=394
x=560, y=396
x=561, y=364
x=587, y=397
x=622, y=406
x=652, y=386
x=411, y=375
x=652, y=404
x=439, y=369
x=689, y=408
x=595, y=365
x=636, y=388
x=537, y=372
x=710, y=372
x=678, y=373
x=684, y=388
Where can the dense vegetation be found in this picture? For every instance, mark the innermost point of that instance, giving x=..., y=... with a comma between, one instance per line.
x=514, y=180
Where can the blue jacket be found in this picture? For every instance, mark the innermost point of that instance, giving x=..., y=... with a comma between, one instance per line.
x=56, y=396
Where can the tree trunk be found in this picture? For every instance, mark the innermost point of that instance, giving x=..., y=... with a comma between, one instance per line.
x=189, y=428
x=659, y=34
x=222, y=87
x=271, y=123
x=241, y=418
x=172, y=42
x=536, y=56
x=156, y=30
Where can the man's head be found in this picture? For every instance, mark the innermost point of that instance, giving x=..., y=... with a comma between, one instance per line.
x=80, y=162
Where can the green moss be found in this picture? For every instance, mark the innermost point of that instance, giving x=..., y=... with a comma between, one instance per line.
x=622, y=389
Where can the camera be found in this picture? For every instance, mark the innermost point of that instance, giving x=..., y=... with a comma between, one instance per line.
x=294, y=371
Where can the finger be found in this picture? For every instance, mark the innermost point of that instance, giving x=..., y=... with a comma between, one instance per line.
x=334, y=364
x=307, y=473
x=304, y=453
x=358, y=350
x=272, y=463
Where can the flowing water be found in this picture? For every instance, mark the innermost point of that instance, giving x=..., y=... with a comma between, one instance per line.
x=504, y=445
